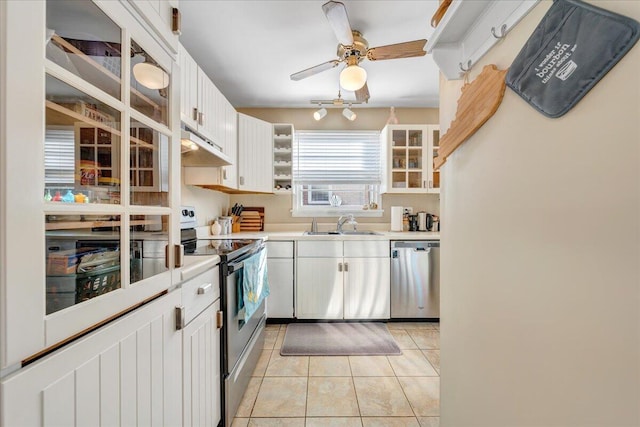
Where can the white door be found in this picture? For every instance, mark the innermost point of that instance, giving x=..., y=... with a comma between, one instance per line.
x=319, y=288
x=280, y=300
x=201, y=369
x=366, y=288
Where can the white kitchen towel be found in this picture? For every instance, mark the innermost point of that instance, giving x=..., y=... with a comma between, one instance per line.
x=396, y=218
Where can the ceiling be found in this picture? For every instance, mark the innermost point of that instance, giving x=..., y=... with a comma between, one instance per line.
x=249, y=49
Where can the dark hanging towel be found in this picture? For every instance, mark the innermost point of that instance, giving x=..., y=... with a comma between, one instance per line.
x=570, y=50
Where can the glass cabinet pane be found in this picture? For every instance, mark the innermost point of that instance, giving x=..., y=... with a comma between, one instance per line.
x=82, y=147
x=83, y=40
x=83, y=258
x=415, y=138
x=149, y=163
x=399, y=138
x=149, y=238
x=150, y=85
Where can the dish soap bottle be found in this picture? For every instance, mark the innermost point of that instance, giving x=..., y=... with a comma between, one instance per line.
x=47, y=196
x=215, y=228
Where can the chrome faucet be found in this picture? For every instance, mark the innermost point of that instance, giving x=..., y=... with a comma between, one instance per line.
x=349, y=218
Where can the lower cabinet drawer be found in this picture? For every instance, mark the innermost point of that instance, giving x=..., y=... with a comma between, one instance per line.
x=320, y=248
x=198, y=293
x=279, y=249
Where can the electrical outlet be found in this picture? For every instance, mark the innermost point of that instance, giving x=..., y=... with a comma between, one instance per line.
x=408, y=211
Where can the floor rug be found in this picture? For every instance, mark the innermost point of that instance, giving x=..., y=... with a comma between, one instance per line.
x=338, y=339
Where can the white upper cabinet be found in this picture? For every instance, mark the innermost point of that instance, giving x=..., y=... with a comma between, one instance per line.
x=205, y=110
x=410, y=150
x=159, y=17
x=89, y=173
x=255, y=154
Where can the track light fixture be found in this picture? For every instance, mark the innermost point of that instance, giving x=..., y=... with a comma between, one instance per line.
x=319, y=114
x=349, y=114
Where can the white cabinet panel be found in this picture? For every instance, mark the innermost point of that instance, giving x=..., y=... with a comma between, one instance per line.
x=280, y=249
x=58, y=403
x=367, y=248
x=188, y=89
x=230, y=173
x=367, y=288
x=201, y=369
x=126, y=373
x=87, y=387
x=320, y=292
x=255, y=154
x=323, y=248
x=280, y=299
x=109, y=384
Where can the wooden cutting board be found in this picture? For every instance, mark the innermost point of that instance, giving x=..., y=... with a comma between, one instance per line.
x=252, y=219
x=478, y=102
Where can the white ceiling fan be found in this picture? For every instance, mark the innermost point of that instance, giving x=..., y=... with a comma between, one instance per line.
x=353, y=48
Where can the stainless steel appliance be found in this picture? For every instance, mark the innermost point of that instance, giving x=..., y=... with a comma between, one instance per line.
x=241, y=341
x=425, y=221
x=415, y=279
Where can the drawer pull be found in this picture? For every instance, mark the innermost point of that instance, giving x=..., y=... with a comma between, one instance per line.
x=204, y=289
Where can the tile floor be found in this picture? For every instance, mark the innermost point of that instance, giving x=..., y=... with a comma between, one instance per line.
x=362, y=391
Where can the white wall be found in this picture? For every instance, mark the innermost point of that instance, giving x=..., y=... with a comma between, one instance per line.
x=540, y=257
x=209, y=204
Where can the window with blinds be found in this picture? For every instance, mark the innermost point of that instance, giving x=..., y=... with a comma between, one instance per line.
x=336, y=172
x=59, y=156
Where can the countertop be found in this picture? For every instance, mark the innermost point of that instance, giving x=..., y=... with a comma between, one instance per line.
x=299, y=235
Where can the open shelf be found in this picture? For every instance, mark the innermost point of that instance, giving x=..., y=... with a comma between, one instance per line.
x=469, y=29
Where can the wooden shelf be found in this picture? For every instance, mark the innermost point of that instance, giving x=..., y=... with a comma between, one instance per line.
x=469, y=29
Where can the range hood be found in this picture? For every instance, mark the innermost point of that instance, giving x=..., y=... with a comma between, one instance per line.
x=199, y=152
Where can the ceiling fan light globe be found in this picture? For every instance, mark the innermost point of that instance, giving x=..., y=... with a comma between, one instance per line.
x=150, y=76
x=353, y=77
x=319, y=114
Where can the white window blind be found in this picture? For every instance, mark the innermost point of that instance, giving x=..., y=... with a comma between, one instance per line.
x=59, y=156
x=337, y=157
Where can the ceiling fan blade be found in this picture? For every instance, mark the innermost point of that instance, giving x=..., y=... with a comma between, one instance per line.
x=337, y=16
x=314, y=70
x=362, y=94
x=398, y=50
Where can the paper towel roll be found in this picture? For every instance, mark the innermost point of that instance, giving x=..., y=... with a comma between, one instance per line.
x=396, y=218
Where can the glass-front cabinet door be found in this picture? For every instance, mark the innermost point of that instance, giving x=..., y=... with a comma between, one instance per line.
x=409, y=166
x=96, y=131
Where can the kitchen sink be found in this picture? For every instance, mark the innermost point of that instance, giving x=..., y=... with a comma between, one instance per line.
x=341, y=233
x=360, y=233
x=321, y=233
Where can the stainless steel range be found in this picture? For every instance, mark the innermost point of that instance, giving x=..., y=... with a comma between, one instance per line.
x=241, y=339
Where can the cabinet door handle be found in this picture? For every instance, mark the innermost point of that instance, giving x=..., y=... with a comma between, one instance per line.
x=179, y=317
x=219, y=319
x=179, y=253
x=242, y=180
x=195, y=114
x=340, y=267
x=224, y=173
x=204, y=288
x=346, y=266
x=424, y=184
x=200, y=118
x=430, y=184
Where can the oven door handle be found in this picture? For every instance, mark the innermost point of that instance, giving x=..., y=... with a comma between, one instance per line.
x=238, y=265
x=233, y=267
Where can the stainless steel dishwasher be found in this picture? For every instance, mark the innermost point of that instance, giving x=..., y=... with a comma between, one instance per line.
x=415, y=279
